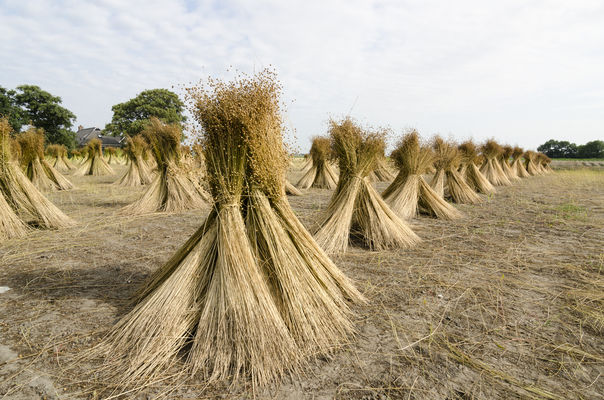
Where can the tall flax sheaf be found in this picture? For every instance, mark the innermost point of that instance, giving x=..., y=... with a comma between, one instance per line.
x=95, y=163
x=491, y=168
x=447, y=162
x=530, y=158
x=506, y=156
x=542, y=161
x=321, y=174
x=61, y=162
x=11, y=226
x=138, y=173
x=173, y=189
x=517, y=164
x=356, y=208
x=111, y=154
x=381, y=172
x=20, y=194
x=470, y=171
x=76, y=156
x=250, y=295
x=409, y=194
x=43, y=175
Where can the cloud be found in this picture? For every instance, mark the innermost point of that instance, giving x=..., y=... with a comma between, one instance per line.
x=520, y=71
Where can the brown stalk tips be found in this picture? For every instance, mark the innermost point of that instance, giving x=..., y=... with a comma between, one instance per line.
x=517, y=153
x=173, y=189
x=446, y=155
x=491, y=149
x=356, y=209
x=469, y=152
x=95, y=163
x=251, y=295
x=321, y=173
x=138, y=173
x=19, y=192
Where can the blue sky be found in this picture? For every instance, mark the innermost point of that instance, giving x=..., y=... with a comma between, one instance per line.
x=520, y=71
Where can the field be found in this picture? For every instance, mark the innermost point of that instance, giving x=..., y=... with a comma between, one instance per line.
x=505, y=303
x=570, y=163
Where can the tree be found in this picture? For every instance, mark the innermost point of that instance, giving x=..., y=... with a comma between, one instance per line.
x=10, y=110
x=593, y=149
x=132, y=116
x=43, y=110
x=558, y=149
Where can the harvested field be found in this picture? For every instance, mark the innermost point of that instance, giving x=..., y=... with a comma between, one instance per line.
x=507, y=302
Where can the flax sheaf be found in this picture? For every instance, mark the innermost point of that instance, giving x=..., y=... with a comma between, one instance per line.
x=321, y=173
x=409, y=194
x=251, y=295
x=22, y=197
x=356, y=208
x=173, y=188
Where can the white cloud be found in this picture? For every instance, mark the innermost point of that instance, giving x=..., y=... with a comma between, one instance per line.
x=521, y=71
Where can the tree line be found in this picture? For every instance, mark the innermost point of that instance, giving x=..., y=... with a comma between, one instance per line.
x=565, y=149
x=30, y=105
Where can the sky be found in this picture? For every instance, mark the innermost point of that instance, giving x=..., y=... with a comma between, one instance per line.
x=522, y=72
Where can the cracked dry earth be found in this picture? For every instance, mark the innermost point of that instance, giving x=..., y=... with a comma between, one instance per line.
x=505, y=303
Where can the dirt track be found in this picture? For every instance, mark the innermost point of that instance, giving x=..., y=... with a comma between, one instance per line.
x=506, y=303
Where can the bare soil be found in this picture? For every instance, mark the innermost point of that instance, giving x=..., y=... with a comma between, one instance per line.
x=505, y=303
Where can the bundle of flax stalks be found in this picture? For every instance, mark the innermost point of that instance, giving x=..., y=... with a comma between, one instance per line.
x=447, y=162
x=382, y=172
x=517, y=164
x=173, y=188
x=409, y=194
x=76, y=156
x=470, y=171
x=321, y=174
x=43, y=175
x=530, y=159
x=95, y=163
x=506, y=155
x=59, y=153
x=138, y=173
x=250, y=295
x=491, y=168
x=542, y=162
x=356, y=208
x=111, y=154
x=20, y=194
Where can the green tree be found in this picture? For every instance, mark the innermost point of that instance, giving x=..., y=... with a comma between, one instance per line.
x=593, y=149
x=132, y=116
x=43, y=110
x=11, y=110
x=558, y=149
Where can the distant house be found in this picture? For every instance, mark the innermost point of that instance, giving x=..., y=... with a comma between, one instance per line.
x=85, y=135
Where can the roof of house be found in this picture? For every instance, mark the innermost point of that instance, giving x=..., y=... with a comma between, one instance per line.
x=85, y=135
